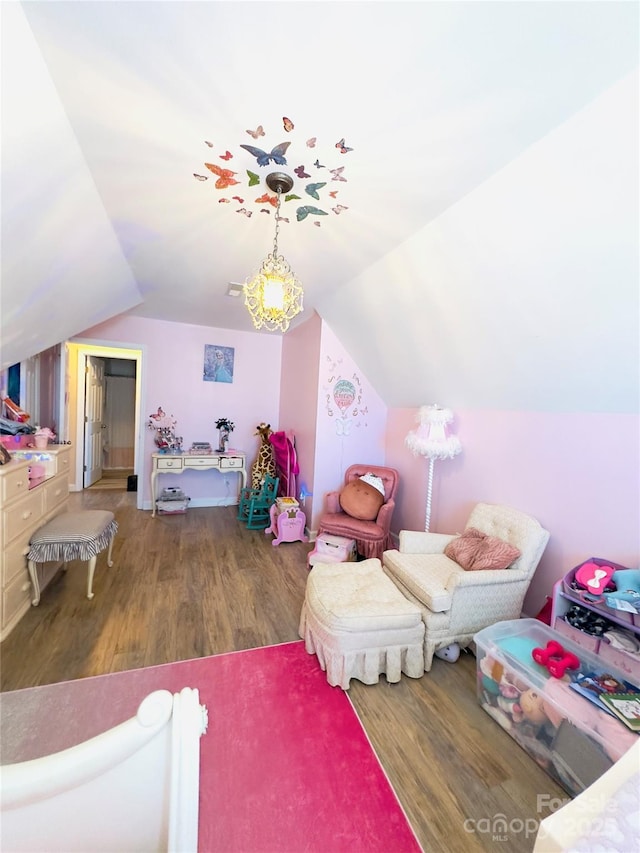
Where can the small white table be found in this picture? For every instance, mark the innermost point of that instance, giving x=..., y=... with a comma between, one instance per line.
x=177, y=463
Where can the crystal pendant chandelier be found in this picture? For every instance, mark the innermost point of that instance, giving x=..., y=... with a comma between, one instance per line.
x=274, y=294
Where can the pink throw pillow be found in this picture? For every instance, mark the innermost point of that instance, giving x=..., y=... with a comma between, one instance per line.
x=475, y=551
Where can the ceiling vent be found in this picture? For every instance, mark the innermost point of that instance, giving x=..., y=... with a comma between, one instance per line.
x=235, y=288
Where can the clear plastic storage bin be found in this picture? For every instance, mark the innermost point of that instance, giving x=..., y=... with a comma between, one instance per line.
x=572, y=737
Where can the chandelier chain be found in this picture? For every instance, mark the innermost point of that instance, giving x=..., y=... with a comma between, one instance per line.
x=275, y=236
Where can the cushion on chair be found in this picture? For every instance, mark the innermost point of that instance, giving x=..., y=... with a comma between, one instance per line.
x=475, y=550
x=358, y=597
x=361, y=500
x=424, y=575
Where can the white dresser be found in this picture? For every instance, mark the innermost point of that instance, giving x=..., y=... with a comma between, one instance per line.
x=23, y=510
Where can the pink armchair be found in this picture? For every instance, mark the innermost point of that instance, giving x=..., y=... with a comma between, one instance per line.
x=372, y=537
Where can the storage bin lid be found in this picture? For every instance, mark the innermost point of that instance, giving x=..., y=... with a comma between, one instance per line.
x=512, y=643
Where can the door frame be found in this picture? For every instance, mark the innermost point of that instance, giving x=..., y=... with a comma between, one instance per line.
x=103, y=349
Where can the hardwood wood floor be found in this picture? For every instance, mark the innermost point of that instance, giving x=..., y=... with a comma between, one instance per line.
x=198, y=584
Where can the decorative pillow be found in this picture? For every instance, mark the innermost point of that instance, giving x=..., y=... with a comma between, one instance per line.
x=474, y=550
x=361, y=500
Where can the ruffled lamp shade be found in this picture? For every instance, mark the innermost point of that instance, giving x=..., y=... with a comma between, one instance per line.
x=433, y=439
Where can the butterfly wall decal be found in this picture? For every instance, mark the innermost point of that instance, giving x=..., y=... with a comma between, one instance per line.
x=282, y=219
x=246, y=212
x=210, y=144
x=254, y=179
x=337, y=174
x=288, y=124
x=319, y=165
x=309, y=210
x=311, y=143
x=259, y=131
x=342, y=148
x=225, y=176
x=300, y=172
x=339, y=208
x=224, y=201
x=263, y=157
x=333, y=193
x=226, y=156
x=268, y=199
x=292, y=197
x=238, y=199
x=312, y=189
x=200, y=177
x=343, y=426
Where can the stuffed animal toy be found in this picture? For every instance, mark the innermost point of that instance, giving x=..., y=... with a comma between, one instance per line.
x=509, y=701
x=450, y=653
x=532, y=705
x=490, y=674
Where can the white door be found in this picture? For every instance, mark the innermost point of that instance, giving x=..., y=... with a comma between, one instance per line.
x=93, y=420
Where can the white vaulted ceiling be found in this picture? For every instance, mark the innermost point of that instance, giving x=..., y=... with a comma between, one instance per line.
x=107, y=108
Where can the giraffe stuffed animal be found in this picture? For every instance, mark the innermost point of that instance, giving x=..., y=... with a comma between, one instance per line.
x=265, y=462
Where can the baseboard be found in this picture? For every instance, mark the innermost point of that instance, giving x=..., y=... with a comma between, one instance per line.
x=199, y=502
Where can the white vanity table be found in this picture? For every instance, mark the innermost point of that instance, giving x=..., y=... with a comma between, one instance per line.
x=178, y=463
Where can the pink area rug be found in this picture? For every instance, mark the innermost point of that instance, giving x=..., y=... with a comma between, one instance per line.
x=286, y=766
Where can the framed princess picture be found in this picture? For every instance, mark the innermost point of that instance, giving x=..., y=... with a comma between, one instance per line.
x=218, y=363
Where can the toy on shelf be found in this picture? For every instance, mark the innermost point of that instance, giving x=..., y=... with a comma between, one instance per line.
x=594, y=578
x=555, y=658
x=626, y=596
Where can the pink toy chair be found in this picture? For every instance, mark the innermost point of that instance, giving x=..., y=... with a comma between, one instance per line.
x=372, y=537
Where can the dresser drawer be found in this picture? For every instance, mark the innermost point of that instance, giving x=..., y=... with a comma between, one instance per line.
x=169, y=464
x=14, y=559
x=22, y=516
x=63, y=461
x=15, y=597
x=15, y=483
x=202, y=462
x=231, y=462
x=55, y=491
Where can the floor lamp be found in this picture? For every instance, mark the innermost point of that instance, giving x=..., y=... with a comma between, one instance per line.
x=433, y=440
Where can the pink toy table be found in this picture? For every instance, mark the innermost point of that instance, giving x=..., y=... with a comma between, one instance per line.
x=287, y=525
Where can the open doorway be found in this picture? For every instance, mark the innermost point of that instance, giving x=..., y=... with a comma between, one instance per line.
x=103, y=414
x=109, y=422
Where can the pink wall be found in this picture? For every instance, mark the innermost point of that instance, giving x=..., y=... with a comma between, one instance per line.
x=350, y=427
x=298, y=396
x=578, y=474
x=173, y=369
